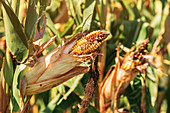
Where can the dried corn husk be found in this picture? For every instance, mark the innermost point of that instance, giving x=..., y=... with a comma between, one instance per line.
x=51, y=70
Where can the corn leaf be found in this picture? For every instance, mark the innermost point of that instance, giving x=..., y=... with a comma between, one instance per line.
x=89, y=9
x=153, y=87
x=8, y=69
x=15, y=37
x=31, y=19
x=15, y=101
x=51, y=26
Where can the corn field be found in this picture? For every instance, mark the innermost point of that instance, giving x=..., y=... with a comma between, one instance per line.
x=85, y=56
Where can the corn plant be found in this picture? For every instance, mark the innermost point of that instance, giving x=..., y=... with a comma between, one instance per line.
x=93, y=56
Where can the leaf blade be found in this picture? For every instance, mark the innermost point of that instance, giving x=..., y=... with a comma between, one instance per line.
x=15, y=37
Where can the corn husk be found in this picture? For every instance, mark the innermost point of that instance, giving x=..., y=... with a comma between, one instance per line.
x=51, y=70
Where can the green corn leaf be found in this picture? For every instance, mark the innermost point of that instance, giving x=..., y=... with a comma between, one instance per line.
x=152, y=84
x=15, y=37
x=8, y=69
x=15, y=100
x=51, y=26
x=31, y=19
x=89, y=9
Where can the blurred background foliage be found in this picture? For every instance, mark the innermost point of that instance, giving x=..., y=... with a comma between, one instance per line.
x=128, y=21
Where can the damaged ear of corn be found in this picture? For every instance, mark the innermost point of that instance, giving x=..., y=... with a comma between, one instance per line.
x=126, y=69
x=59, y=65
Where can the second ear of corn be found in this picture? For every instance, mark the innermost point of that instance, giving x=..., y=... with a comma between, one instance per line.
x=126, y=69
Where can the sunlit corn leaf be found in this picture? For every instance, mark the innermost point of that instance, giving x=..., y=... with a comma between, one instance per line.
x=152, y=7
x=8, y=69
x=15, y=101
x=89, y=9
x=15, y=37
x=51, y=26
x=31, y=19
x=95, y=24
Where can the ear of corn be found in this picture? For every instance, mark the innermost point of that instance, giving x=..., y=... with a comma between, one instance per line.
x=89, y=43
x=125, y=71
x=51, y=70
x=58, y=65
